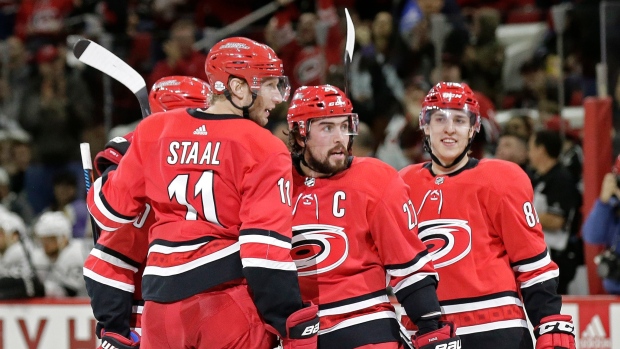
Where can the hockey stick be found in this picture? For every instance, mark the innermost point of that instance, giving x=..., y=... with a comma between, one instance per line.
x=87, y=165
x=348, y=50
x=98, y=57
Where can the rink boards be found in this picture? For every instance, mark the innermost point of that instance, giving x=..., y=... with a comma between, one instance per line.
x=60, y=324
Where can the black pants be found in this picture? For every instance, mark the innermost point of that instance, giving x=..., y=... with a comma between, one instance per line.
x=505, y=338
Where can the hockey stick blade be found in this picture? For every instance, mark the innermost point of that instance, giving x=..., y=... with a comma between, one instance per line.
x=348, y=50
x=98, y=57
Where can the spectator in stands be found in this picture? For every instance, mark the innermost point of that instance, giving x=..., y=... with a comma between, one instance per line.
x=12, y=86
x=67, y=202
x=512, y=147
x=11, y=200
x=483, y=60
x=55, y=110
x=572, y=153
x=602, y=226
x=42, y=22
x=364, y=144
x=520, y=125
x=181, y=58
x=63, y=255
x=557, y=202
x=401, y=144
x=14, y=285
x=310, y=50
x=539, y=90
x=280, y=130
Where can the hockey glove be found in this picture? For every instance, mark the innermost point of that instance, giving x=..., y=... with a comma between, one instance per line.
x=114, y=340
x=555, y=332
x=302, y=327
x=444, y=337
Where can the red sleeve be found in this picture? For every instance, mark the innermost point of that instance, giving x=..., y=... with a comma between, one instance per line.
x=393, y=225
x=327, y=14
x=118, y=197
x=266, y=207
x=516, y=220
x=265, y=239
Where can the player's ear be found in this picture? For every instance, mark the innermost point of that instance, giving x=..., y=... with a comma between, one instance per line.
x=237, y=87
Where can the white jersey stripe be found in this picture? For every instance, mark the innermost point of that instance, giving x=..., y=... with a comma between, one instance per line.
x=137, y=309
x=533, y=266
x=108, y=282
x=261, y=239
x=106, y=257
x=109, y=215
x=491, y=326
x=265, y=263
x=412, y=269
x=354, y=306
x=177, y=249
x=180, y=269
x=412, y=280
x=540, y=278
x=103, y=227
x=360, y=319
x=491, y=303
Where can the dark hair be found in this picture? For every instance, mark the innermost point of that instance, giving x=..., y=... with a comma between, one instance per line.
x=65, y=177
x=512, y=134
x=551, y=140
x=293, y=135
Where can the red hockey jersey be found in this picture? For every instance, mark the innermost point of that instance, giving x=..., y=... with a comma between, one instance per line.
x=481, y=227
x=113, y=274
x=354, y=234
x=218, y=188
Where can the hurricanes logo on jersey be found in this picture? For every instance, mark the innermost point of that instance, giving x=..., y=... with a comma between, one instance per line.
x=448, y=240
x=318, y=248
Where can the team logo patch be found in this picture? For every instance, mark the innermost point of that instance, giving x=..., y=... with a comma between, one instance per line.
x=447, y=240
x=318, y=248
x=219, y=86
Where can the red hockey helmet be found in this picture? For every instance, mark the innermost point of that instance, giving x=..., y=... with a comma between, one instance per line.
x=324, y=101
x=451, y=95
x=247, y=59
x=174, y=92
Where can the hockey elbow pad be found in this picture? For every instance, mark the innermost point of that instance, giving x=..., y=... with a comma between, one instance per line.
x=555, y=332
x=443, y=338
x=111, y=340
x=302, y=327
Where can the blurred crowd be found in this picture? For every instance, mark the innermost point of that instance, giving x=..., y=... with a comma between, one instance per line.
x=49, y=102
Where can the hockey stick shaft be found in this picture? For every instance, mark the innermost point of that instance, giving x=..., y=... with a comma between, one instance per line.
x=348, y=50
x=87, y=165
x=100, y=58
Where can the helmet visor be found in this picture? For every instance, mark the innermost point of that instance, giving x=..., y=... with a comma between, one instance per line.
x=458, y=117
x=276, y=84
x=345, y=125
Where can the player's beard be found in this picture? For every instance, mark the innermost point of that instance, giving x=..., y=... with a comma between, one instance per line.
x=325, y=166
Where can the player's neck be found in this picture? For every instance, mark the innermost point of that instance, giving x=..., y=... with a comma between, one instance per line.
x=440, y=170
x=224, y=107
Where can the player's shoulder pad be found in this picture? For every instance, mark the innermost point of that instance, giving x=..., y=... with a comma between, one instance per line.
x=373, y=167
x=411, y=169
x=502, y=172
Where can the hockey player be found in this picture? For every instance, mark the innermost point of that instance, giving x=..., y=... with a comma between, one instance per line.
x=478, y=221
x=113, y=270
x=216, y=182
x=354, y=228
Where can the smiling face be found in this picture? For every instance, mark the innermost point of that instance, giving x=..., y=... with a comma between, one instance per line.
x=326, y=145
x=449, y=131
x=269, y=95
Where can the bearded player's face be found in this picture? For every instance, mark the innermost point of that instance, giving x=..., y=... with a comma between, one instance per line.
x=326, y=144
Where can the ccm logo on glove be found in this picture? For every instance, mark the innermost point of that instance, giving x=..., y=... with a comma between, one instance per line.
x=556, y=326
